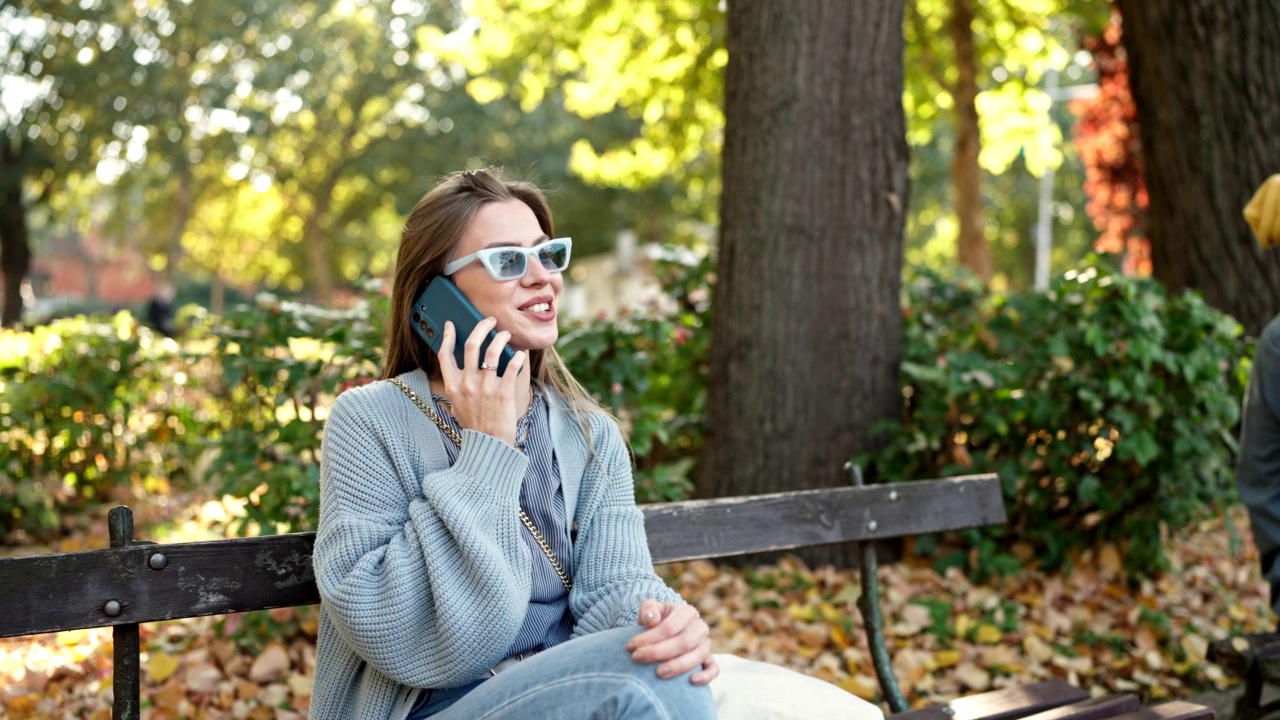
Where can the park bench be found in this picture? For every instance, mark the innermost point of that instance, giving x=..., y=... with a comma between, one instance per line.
x=136, y=582
x=1256, y=659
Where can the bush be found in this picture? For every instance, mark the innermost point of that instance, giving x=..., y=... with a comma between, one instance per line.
x=1107, y=407
x=89, y=404
x=273, y=369
x=650, y=368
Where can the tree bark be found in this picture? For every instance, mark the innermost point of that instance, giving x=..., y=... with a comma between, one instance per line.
x=807, y=334
x=15, y=248
x=966, y=174
x=183, y=205
x=1204, y=78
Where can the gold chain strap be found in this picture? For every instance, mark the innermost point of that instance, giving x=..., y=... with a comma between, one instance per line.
x=457, y=440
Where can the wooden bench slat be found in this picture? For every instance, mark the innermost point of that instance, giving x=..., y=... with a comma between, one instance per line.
x=1175, y=710
x=1099, y=708
x=65, y=591
x=725, y=527
x=1004, y=704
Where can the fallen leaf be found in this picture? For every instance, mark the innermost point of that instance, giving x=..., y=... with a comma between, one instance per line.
x=944, y=659
x=161, y=666
x=1195, y=646
x=272, y=664
x=988, y=634
x=974, y=677
x=1038, y=650
x=860, y=685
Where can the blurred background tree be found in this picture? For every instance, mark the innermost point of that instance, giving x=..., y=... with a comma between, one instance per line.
x=265, y=145
x=1208, y=113
x=59, y=65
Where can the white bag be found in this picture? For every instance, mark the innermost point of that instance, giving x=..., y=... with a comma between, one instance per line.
x=749, y=690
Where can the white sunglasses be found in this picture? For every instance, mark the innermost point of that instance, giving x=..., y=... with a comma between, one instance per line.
x=511, y=263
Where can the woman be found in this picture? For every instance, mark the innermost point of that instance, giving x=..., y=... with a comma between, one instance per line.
x=479, y=553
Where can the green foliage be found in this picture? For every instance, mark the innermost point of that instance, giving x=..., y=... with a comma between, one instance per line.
x=89, y=404
x=274, y=369
x=651, y=369
x=660, y=64
x=1107, y=407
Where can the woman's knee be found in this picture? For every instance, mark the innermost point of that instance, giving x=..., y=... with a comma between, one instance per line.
x=674, y=697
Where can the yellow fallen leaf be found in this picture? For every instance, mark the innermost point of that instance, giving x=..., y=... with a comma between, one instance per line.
x=1038, y=650
x=838, y=637
x=161, y=666
x=988, y=634
x=72, y=637
x=1240, y=644
x=808, y=652
x=964, y=624
x=860, y=685
x=830, y=612
x=1196, y=646
x=802, y=612
x=943, y=659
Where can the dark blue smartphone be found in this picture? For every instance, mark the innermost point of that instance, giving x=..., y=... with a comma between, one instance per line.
x=441, y=301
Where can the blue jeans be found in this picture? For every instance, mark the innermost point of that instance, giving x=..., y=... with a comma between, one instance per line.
x=588, y=678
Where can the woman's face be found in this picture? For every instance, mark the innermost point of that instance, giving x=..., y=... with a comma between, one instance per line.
x=525, y=307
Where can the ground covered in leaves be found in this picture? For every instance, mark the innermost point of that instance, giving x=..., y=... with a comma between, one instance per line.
x=948, y=636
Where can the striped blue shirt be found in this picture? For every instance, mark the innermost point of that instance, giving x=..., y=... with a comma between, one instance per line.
x=548, y=621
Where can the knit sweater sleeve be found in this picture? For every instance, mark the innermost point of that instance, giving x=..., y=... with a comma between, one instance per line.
x=423, y=573
x=614, y=571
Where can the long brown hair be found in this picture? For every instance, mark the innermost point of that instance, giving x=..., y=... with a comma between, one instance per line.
x=431, y=233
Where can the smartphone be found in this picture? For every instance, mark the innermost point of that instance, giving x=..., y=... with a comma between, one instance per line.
x=441, y=301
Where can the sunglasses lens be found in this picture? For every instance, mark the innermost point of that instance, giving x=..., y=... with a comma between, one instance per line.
x=554, y=256
x=507, y=265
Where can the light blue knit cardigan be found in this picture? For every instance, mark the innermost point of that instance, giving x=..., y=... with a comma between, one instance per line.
x=424, y=578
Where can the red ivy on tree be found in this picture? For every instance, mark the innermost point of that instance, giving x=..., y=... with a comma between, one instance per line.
x=1107, y=139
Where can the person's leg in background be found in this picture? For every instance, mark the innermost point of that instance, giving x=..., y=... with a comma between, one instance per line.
x=1258, y=466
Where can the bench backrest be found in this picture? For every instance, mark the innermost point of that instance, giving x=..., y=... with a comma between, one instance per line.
x=144, y=582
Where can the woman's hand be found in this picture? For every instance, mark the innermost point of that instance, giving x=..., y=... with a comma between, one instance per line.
x=481, y=399
x=676, y=637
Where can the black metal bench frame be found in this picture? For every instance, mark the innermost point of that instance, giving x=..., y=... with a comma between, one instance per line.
x=135, y=581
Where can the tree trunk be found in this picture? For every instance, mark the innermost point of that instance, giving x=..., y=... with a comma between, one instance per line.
x=807, y=332
x=183, y=204
x=217, y=296
x=1204, y=78
x=966, y=174
x=15, y=250
x=316, y=245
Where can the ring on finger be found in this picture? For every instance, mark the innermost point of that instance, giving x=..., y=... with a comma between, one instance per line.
x=487, y=366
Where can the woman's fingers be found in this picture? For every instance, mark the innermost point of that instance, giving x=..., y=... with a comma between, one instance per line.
x=658, y=618
x=710, y=670
x=471, y=351
x=494, y=352
x=679, y=631
x=685, y=641
x=651, y=613
x=686, y=661
x=514, y=368
x=448, y=364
